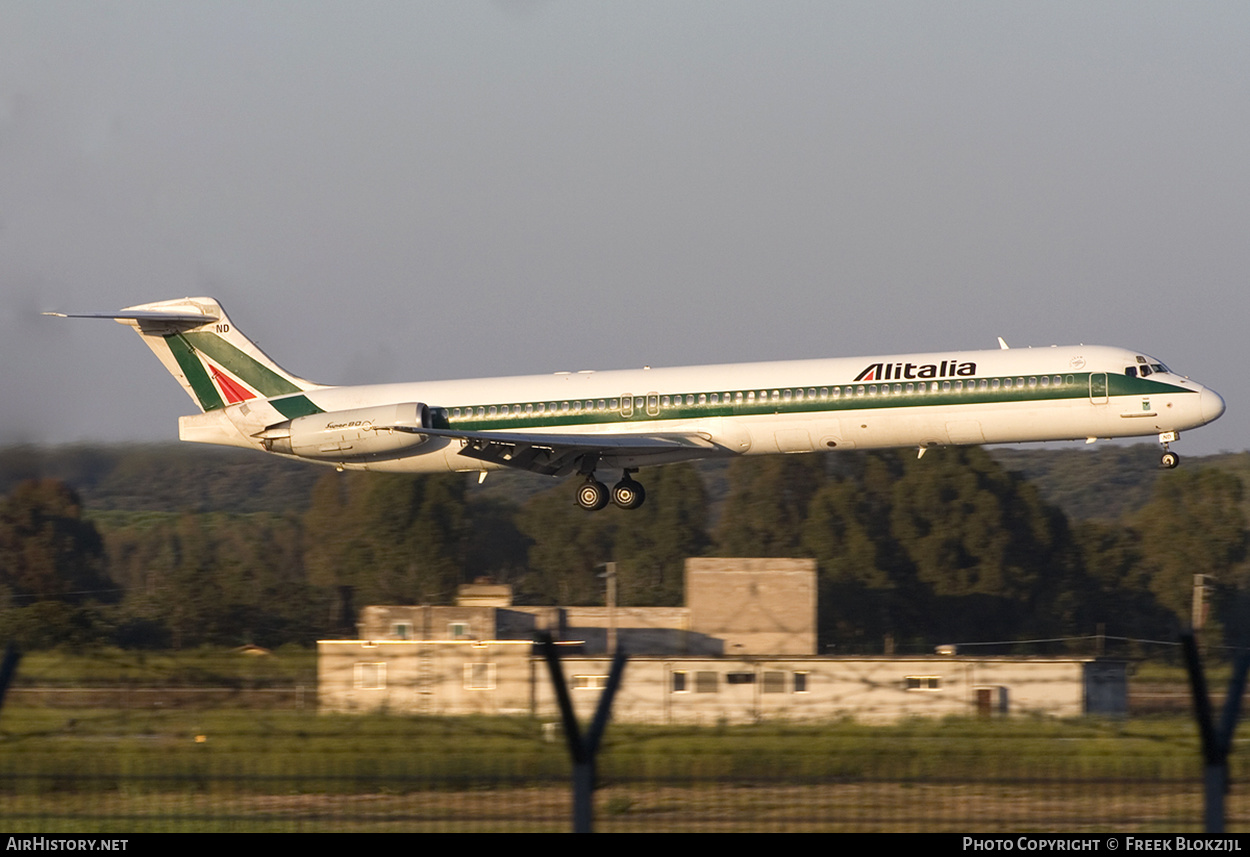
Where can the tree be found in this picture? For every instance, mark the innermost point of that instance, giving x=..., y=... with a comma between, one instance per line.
x=1193, y=524
x=47, y=549
x=396, y=539
x=568, y=543
x=768, y=499
x=992, y=555
x=653, y=542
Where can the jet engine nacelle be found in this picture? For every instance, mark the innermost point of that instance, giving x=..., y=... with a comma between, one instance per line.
x=384, y=431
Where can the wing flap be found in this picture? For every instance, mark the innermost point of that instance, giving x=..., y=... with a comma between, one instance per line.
x=562, y=454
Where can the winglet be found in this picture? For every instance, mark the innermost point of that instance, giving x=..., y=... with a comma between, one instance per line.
x=1002, y=343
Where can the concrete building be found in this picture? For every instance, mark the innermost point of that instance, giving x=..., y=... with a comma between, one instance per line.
x=741, y=651
x=505, y=677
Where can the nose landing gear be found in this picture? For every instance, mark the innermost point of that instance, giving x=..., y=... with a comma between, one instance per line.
x=1169, y=459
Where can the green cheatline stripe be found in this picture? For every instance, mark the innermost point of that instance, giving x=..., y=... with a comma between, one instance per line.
x=253, y=373
x=1078, y=388
x=295, y=406
x=193, y=369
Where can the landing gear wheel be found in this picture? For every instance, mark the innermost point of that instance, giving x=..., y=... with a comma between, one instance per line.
x=628, y=494
x=592, y=496
x=1169, y=460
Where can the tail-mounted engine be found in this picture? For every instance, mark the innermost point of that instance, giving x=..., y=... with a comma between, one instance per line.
x=384, y=431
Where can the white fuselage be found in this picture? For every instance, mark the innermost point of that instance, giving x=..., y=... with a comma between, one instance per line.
x=998, y=396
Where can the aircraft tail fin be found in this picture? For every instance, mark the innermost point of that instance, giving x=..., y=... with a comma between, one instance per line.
x=216, y=365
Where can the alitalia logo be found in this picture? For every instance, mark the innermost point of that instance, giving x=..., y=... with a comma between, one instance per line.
x=900, y=371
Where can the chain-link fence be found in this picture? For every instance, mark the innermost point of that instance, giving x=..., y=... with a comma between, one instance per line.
x=113, y=770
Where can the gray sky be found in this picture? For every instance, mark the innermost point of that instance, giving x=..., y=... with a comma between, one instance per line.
x=388, y=191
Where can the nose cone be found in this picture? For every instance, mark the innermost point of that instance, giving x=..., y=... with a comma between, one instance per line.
x=1212, y=404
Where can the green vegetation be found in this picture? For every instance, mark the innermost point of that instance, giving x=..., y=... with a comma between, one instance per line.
x=135, y=770
x=106, y=666
x=158, y=548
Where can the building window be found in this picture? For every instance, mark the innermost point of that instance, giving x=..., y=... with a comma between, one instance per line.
x=923, y=682
x=370, y=676
x=705, y=682
x=458, y=630
x=800, y=682
x=401, y=631
x=590, y=682
x=479, y=676
x=740, y=678
x=774, y=682
x=679, y=682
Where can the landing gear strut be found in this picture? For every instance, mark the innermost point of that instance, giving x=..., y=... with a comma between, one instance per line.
x=1169, y=459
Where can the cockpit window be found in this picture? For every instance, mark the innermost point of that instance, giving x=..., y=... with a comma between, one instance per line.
x=1130, y=371
x=1145, y=370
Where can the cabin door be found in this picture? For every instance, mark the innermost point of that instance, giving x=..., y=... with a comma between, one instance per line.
x=1098, y=388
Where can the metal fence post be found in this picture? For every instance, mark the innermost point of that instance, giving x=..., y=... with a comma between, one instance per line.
x=582, y=750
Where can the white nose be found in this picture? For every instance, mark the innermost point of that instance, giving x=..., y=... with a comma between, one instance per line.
x=1211, y=403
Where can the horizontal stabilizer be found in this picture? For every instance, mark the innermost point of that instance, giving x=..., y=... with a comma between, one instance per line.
x=181, y=318
x=215, y=364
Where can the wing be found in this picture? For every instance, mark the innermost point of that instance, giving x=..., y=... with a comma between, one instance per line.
x=562, y=454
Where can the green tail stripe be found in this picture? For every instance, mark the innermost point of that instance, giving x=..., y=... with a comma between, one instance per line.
x=295, y=406
x=193, y=369
x=253, y=373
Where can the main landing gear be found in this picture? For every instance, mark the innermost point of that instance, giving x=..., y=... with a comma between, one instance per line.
x=593, y=495
x=1169, y=459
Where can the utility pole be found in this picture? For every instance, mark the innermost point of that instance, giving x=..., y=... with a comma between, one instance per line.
x=610, y=575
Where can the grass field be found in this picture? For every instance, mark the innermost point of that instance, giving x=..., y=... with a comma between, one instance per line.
x=190, y=759
x=113, y=771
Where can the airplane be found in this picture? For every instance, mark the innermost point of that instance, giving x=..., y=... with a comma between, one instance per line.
x=577, y=423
